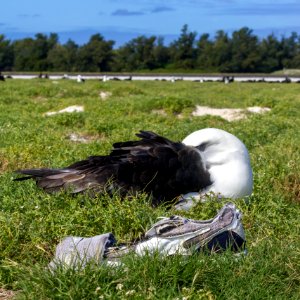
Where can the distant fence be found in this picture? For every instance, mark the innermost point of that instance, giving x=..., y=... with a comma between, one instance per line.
x=196, y=78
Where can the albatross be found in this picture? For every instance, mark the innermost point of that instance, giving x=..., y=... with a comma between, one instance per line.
x=207, y=161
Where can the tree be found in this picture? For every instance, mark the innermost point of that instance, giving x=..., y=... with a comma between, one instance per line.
x=295, y=62
x=182, y=51
x=204, y=52
x=289, y=49
x=31, y=54
x=245, y=51
x=63, y=57
x=23, y=53
x=141, y=53
x=96, y=55
x=6, y=54
x=161, y=53
x=240, y=52
x=40, y=52
x=222, y=52
x=269, y=53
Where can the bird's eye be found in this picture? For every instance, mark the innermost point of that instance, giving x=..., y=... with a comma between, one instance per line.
x=203, y=146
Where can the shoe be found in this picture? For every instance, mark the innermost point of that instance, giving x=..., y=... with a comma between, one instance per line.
x=178, y=235
x=169, y=236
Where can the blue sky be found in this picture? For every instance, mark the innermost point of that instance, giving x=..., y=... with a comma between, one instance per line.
x=122, y=20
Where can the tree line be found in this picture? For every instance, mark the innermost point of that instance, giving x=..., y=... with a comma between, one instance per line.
x=242, y=51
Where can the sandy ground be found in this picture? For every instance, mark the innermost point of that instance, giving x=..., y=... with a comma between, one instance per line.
x=5, y=294
x=69, y=109
x=104, y=95
x=74, y=137
x=229, y=114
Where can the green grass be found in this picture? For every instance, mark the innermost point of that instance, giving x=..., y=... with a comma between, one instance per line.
x=32, y=222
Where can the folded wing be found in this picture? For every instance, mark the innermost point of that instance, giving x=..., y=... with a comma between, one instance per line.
x=152, y=164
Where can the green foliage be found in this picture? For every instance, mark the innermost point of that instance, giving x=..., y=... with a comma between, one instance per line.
x=6, y=54
x=242, y=51
x=31, y=54
x=33, y=222
x=141, y=53
x=173, y=104
x=70, y=120
x=96, y=55
x=245, y=51
x=182, y=50
x=63, y=57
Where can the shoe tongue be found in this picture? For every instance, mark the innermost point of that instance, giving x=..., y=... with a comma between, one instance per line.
x=225, y=217
x=165, y=226
x=176, y=225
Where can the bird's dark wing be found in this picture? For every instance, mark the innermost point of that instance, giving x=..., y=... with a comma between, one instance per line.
x=152, y=164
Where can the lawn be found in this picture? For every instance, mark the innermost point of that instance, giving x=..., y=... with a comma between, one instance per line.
x=32, y=222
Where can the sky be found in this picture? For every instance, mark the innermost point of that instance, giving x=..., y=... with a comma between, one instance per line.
x=122, y=20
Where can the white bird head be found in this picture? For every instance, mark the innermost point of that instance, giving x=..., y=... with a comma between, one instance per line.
x=227, y=160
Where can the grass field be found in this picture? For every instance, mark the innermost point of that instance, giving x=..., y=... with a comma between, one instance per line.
x=32, y=222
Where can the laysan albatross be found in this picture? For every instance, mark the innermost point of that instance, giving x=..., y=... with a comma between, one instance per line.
x=208, y=160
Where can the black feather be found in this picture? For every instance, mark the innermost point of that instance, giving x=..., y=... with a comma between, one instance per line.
x=152, y=164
